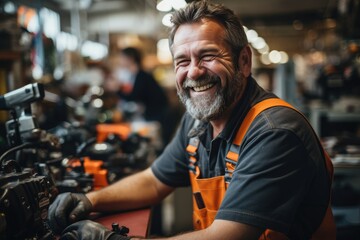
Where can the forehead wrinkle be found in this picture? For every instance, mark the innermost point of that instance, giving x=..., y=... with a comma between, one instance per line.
x=204, y=30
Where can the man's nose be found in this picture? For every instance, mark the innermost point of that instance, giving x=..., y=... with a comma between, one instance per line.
x=195, y=70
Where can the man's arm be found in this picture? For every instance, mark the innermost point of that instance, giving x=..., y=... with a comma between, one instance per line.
x=136, y=191
x=221, y=229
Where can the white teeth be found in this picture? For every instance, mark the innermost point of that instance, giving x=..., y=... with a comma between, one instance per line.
x=203, y=88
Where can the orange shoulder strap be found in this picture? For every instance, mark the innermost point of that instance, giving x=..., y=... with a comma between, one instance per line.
x=249, y=118
x=233, y=154
x=254, y=112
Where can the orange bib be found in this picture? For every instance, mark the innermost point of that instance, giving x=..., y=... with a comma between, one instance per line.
x=208, y=193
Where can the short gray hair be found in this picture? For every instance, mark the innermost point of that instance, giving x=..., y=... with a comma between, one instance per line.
x=196, y=11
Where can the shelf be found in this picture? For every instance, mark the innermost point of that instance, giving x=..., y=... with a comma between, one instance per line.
x=343, y=117
x=316, y=114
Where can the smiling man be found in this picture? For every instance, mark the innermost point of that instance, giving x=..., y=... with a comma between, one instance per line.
x=256, y=168
x=208, y=81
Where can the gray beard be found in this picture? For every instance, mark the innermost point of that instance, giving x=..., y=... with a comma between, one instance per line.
x=204, y=108
x=212, y=107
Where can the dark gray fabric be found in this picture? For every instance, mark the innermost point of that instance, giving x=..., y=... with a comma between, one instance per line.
x=280, y=181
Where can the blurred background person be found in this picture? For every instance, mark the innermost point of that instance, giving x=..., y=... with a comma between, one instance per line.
x=133, y=84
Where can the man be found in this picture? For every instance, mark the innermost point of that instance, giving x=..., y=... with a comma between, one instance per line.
x=138, y=86
x=268, y=180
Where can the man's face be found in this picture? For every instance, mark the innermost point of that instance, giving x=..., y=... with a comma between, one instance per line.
x=126, y=62
x=207, y=80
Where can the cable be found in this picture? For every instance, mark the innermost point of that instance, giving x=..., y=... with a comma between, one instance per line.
x=22, y=146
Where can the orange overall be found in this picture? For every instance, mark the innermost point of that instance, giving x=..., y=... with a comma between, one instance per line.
x=208, y=193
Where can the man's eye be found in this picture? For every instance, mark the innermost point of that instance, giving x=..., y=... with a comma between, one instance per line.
x=208, y=57
x=182, y=62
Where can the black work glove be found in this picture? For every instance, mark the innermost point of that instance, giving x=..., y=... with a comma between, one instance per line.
x=67, y=209
x=89, y=230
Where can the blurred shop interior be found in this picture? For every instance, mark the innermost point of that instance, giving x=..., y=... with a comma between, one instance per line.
x=307, y=52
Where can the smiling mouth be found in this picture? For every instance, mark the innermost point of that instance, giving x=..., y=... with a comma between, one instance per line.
x=203, y=88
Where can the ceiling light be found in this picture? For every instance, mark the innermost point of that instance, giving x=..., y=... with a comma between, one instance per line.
x=264, y=49
x=275, y=56
x=264, y=58
x=94, y=50
x=164, y=6
x=251, y=35
x=178, y=4
x=66, y=41
x=51, y=22
x=258, y=43
x=167, y=20
x=284, y=57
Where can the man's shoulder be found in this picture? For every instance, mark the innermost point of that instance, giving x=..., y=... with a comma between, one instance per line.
x=145, y=77
x=289, y=122
x=281, y=117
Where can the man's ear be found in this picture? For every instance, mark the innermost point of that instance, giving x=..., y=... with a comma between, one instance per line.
x=245, y=61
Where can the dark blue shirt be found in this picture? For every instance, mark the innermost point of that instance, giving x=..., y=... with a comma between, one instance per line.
x=280, y=181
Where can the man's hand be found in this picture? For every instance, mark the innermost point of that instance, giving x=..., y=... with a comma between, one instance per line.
x=67, y=209
x=89, y=230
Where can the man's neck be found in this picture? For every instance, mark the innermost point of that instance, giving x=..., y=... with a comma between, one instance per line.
x=219, y=124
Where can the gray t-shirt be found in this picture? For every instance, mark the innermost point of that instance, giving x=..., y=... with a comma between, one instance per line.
x=280, y=181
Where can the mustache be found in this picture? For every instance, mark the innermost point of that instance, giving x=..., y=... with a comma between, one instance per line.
x=190, y=83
